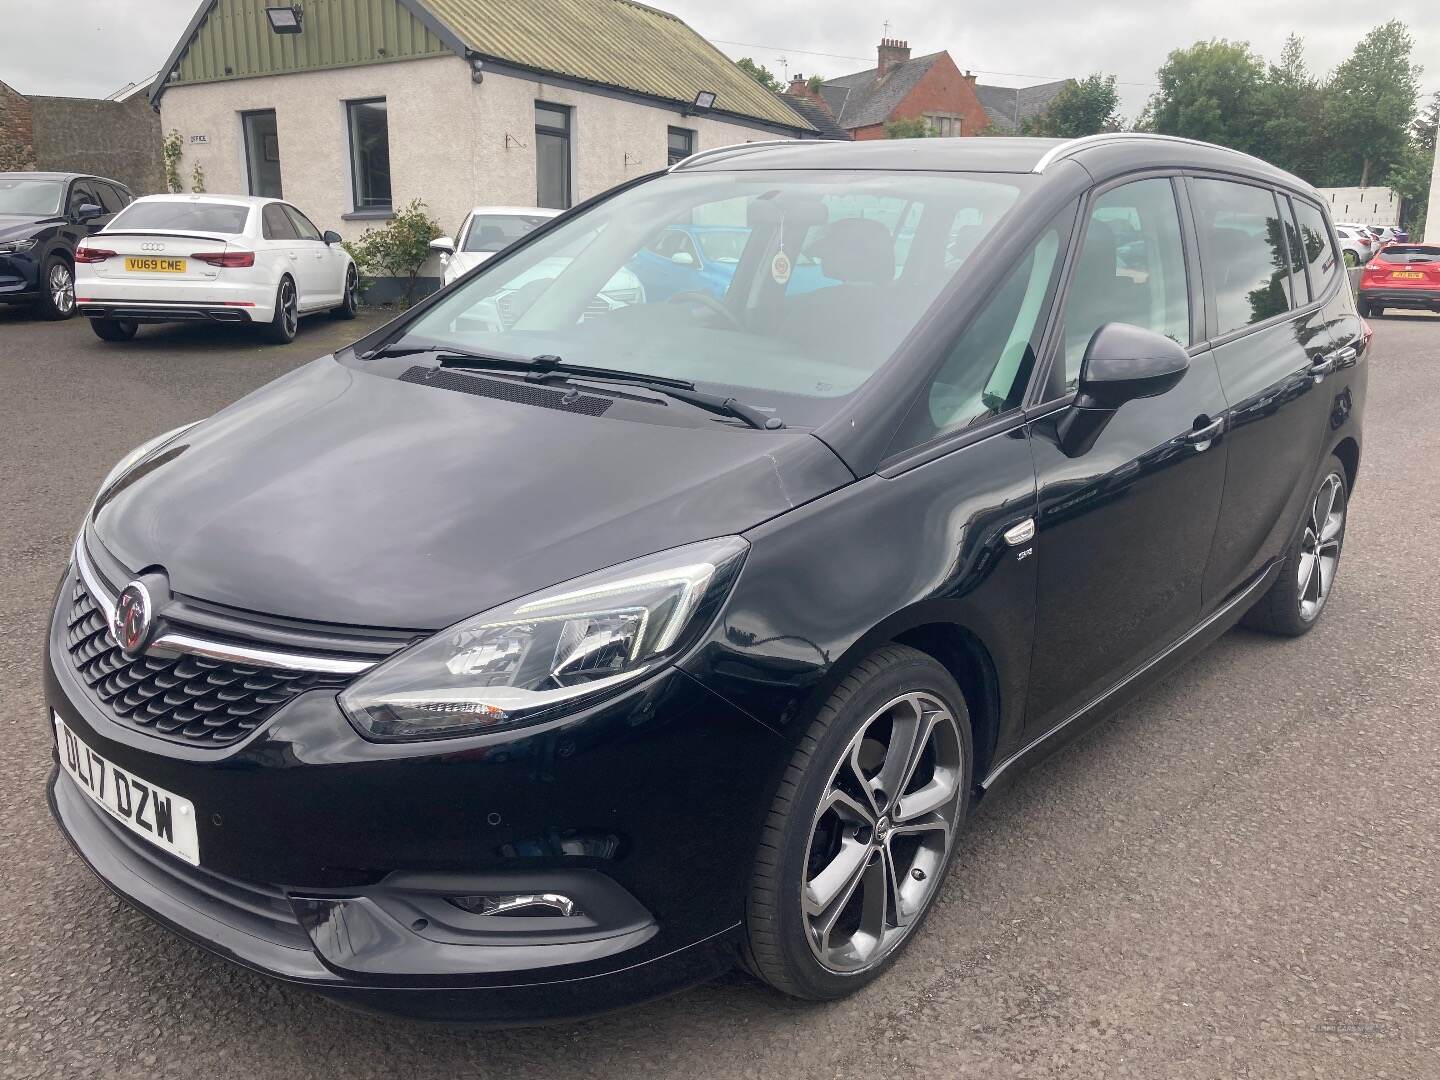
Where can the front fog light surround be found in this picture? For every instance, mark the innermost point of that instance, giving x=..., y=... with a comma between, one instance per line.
x=518, y=663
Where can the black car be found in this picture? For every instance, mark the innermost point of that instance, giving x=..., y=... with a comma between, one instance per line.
x=43, y=215
x=771, y=587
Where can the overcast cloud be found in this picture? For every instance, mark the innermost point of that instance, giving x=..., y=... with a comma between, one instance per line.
x=92, y=47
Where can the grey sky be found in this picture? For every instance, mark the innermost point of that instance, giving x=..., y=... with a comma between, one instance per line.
x=91, y=47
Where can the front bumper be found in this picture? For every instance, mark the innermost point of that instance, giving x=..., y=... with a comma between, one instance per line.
x=325, y=858
x=1401, y=297
x=19, y=278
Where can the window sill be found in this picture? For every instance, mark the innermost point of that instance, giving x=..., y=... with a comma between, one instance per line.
x=375, y=213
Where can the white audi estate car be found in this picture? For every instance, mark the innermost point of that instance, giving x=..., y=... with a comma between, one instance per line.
x=220, y=258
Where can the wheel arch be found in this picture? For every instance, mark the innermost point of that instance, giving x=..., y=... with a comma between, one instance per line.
x=953, y=643
x=1348, y=451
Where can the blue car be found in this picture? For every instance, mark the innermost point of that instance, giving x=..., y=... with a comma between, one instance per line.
x=702, y=258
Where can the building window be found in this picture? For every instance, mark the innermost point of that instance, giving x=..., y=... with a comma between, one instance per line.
x=370, y=153
x=262, y=154
x=946, y=125
x=681, y=144
x=552, y=156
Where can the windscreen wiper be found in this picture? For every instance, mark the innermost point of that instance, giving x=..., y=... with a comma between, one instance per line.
x=542, y=368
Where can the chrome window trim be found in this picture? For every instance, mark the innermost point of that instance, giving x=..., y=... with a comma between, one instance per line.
x=173, y=641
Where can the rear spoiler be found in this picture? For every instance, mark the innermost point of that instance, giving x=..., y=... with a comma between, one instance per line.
x=221, y=238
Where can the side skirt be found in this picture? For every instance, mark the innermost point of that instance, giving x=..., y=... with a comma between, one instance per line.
x=1172, y=656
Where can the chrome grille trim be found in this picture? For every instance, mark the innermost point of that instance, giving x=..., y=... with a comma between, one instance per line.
x=177, y=642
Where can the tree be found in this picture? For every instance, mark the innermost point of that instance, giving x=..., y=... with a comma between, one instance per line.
x=1211, y=91
x=815, y=82
x=1291, y=133
x=914, y=128
x=1087, y=107
x=1370, y=105
x=763, y=75
x=1424, y=128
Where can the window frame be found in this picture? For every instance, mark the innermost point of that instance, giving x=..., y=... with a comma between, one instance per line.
x=690, y=139
x=567, y=132
x=360, y=207
x=1047, y=389
x=245, y=142
x=1213, y=339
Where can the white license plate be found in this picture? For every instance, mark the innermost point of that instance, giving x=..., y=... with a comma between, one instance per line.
x=160, y=816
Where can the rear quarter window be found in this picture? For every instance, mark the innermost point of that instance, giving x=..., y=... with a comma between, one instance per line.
x=184, y=217
x=1321, y=258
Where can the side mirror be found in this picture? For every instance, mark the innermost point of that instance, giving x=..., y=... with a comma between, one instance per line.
x=89, y=212
x=443, y=245
x=683, y=258
x=332, y=237
x=1122, y=363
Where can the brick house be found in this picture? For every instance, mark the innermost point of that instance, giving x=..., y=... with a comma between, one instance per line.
x=898, y=87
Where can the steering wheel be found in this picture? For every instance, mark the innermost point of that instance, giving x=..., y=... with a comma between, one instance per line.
x=708, y=301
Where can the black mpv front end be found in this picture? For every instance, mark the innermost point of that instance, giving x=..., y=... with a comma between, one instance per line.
x=606, y=620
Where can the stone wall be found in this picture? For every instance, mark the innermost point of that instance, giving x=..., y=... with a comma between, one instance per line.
x=16, y=141
x=119, y=140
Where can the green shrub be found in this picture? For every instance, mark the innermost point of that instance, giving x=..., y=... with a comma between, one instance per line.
x=398, y=249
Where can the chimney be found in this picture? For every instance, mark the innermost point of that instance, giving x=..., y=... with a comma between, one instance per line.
x=892, y=51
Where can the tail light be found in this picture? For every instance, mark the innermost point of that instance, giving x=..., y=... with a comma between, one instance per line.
x=85, y=254
x=226, y=258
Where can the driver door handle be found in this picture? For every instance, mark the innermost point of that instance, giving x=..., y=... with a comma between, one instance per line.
x=1324, y=366
x=1202, y=437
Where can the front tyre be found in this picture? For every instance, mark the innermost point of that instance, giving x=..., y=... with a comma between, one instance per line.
x=1296, y=600
x=286, y=323
x=350, y=302
x=114, y=329
x=57, y=289
x=862, y=829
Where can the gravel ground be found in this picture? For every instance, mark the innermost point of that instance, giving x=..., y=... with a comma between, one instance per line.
x=1236, y=876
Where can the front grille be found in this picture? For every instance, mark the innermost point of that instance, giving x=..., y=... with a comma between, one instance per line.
x=189, y=699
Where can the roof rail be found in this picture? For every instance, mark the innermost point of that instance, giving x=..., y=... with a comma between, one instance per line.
x=1066, y=149
x=705, y=155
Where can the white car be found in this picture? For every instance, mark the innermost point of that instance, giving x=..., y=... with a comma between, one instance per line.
x=485, y=230
x=218, y=258
x=1356, y=244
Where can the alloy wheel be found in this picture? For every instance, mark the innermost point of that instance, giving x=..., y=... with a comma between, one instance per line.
x=289, y=309
x=352, y=289
x=62, y=288
x=1320, y=546
x=882, y=832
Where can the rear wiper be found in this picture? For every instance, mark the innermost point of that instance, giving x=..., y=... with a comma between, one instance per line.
x=542, y=368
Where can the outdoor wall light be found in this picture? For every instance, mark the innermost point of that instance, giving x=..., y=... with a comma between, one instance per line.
x=705, y=99
x=286, y=20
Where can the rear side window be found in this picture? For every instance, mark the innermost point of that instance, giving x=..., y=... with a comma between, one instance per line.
x=207, y=217
x=110, y=198
x=1320, y=256
x=275, y=224
x=989, y=366
x=1243, y=244
x=1131, y=270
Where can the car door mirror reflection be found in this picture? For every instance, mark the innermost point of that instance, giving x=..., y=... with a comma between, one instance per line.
x=683, y=258
x=1122, y=363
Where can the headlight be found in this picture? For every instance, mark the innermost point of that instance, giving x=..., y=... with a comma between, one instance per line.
x=519, y=663
x=14, y=247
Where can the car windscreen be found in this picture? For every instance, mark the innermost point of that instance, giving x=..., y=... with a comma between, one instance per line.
x=496, y=232
x=1408, y=253
x=831, y=271
x=202, y=217
x=24, y=196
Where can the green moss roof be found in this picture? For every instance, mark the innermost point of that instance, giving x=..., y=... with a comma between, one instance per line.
x=615, y=42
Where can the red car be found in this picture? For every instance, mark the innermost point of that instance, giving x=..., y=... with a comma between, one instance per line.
x=1401, y=276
